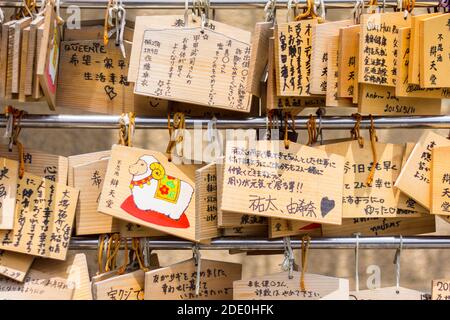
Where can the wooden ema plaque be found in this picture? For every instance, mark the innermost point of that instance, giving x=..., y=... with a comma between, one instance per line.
x=440, y=181
x=49, y=166
x=177, y=281
x=129, y=286
x=381, y=100
x=31, y=59
x=332, y=77
x=373, y=227
x=322, y=35
x=207, y=67
x=143, y=187
x=405, y=89
x=301, y=183
x=44, y=216
x=19, y=30
x=259, y=231
x=347, y=53
x=434, y=51
x=440, y=289
x=388, y=293
x=293, y=104
x=286, y=228
x=10, y=61
x=9, y=174
x=7, y=29
x=36, y=286
x=279, y=287
x=378, y=48
x=414, y=178
x=378, y=199
x=74, y=270
x=293, y=45
x=15, y=265
x=414, y=53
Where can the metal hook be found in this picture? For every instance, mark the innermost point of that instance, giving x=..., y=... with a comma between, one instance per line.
x=197, y=260
x=397, y=258
x=320, y=112
x=357, y=234
x=288, y=262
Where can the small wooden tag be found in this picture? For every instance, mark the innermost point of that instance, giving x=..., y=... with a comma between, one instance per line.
x=37, y=92
x=15, y=265
x=259, y=231
x=440, y=181
x=434, y=51
x=286, y=228
x=347, y=53
x=301, y=183
x=17, y=47
x=293, y=45
x=43, y=219
x=133, y=230
x=9, y=174
x=7, y=28
x=23, y=62
x=414, y=178
x=49, y=166
x=177, y=281
x=36, y=286
x=381, y=100
x=322, y=35
x=85, y=158
x=403, y=88
x=10, y=62
x=378, y=48
x=129, y=286
x=143, y=187
x=279, y=287
x=32, y=54
x=388, y=293
x=89, y=178
x=372, y=227
x=440, y=289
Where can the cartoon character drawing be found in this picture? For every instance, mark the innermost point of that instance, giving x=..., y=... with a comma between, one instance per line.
x=157, y=197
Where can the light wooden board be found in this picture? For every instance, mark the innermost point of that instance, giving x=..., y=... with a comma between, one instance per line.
x=259, y=56
x=445, y=218
x=48, y=60
x=74, y=269
x=372, y=227
x=293, y=46
x=388, y=293
x=406, y=203
x=23, y=62
x=414, y=178
x=347, y=53
x=301, y=183
x=356, y=84
x=378, y=47
x=94, y=30
x=17, y=48
x=286, y=228
x=279, y=287
x=440, y=181
x=32, y=55
x=133, y=230
x=440, y=289
x=36, y=286
x=129, y=286
x=332, y=76
x=44, y=216
x=434, y=51
x=259, y=231
x=37, y=91
x=174, y=216
x=208, y=67
x=89, y=179
x=378, y=199
x=7, y=27
x=216, y=281
x=15, y=265
x=85, y=158
x=10, y=62
x=403, y=88
x=9, y=174
x=322, y=36
x=49, y=166
x=381, y=100
x=414, y=57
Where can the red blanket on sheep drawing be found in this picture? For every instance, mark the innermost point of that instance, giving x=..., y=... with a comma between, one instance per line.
x=154, y=217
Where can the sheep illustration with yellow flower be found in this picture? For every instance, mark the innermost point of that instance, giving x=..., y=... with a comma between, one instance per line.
x=156, y=197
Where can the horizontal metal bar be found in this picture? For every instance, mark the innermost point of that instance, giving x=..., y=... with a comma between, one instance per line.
x=328, y=122
x=179, y=4
x=260, y=244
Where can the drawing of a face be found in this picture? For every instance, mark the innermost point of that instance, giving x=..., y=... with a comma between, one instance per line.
x=138, y=168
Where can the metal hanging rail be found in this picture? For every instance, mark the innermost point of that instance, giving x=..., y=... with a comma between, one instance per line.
x=214, y=4
x=67, y=121
x=260, y=244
